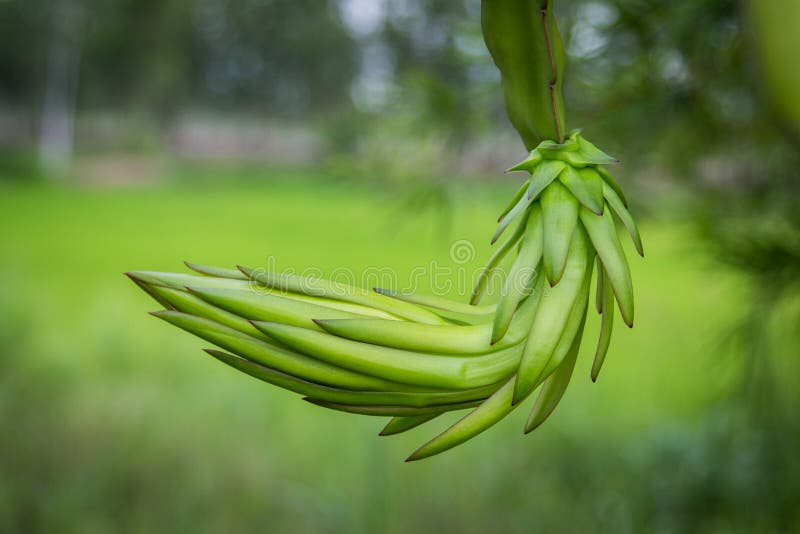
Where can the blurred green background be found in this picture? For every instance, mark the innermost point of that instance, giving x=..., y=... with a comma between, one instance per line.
x=367, y=134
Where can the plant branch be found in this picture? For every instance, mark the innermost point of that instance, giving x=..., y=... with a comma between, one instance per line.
x=554, y=87
x=525, y=44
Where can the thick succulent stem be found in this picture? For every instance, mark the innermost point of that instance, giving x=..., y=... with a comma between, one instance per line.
x=525, y=44
x=772, y=28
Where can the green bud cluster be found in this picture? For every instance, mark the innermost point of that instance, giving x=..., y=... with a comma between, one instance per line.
x=413, y=357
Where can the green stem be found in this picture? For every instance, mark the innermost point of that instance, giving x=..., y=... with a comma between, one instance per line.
x=555, y=85
x=772, y=27
x=525, y=44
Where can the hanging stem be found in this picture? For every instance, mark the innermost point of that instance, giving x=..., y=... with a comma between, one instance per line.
x=525, y=44
x=555, y=87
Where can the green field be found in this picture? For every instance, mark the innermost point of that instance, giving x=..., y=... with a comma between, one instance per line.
x=115, y=420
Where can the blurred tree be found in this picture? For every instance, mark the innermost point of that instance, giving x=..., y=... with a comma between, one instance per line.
x=427, y=61
x=285, y=58
x=60, y=85
x=289, y=57
x=674, y=71
x=22, y=50
x=138, y=56
x=237, y=54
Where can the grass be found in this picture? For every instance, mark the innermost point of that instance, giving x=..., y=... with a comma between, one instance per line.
x=114, y=420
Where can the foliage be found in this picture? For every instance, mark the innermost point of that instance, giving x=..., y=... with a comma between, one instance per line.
x=162, y=56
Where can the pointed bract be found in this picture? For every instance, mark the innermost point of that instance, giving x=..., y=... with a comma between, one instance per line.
x=494, y=261
x=624, y=215
x=544, y=175
x=484, y=416
x=606, y=325
x=560, y=218
x=552, y=318
x=603, y=233
x=400, y=424
x=582, y=184
x=397, y=365
x=599, y=295
x=443, y=339
x=553, y=388
x=438, y=401
x=520, y=278
x=528, y=164
x=514, y=200
x=219, y=272
x=608, y=179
